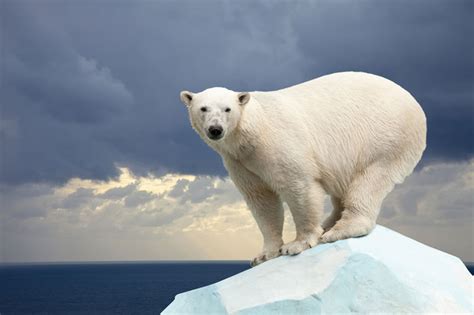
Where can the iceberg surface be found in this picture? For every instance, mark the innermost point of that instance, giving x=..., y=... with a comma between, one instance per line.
x=384, y=272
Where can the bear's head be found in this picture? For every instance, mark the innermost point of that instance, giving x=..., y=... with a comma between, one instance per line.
x=215, y=113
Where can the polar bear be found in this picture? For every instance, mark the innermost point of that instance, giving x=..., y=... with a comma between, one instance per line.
x=351, y=135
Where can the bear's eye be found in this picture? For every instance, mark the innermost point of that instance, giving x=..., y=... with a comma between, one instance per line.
x=227, y=110
x=203, y=109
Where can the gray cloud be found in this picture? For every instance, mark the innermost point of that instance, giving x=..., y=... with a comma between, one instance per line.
x=78, y=198
x=119, y=192
x=137, y=198
x=25, y=201
x=200, y=190
x=88, y=86
x=179, y=188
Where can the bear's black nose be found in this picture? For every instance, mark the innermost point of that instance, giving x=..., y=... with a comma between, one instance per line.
x=215, y=132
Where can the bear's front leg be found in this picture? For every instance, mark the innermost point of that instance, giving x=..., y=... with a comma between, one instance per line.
x=268, y=211
x=266, y=208
x=306, y=202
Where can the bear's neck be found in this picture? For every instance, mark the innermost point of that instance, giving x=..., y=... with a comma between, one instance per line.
x=247, y=136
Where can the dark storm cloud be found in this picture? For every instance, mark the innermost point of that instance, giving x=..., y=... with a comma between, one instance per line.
x=53, y=102
x=87, y=86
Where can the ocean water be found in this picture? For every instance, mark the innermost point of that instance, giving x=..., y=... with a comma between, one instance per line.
x=106, y=288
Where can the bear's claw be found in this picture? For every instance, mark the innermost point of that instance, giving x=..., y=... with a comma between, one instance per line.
x=294, y=248
x=263, y=257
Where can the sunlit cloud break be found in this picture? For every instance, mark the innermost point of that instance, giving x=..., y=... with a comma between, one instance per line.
x=179, y=216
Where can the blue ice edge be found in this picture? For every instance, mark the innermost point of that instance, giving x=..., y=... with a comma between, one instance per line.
x=384, y=272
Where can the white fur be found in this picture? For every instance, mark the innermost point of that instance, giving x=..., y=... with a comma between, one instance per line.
x=351, y=135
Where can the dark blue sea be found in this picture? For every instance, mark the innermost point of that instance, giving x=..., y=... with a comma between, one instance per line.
x=105, y=288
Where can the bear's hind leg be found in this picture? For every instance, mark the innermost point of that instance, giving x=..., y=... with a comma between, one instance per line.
x=335, y=213
x=361, y=203
x=306, y=205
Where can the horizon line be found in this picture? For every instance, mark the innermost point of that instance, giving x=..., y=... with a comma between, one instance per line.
x=72, y=262
x=120, y=261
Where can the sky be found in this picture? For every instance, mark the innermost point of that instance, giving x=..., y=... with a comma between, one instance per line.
x=98, y=160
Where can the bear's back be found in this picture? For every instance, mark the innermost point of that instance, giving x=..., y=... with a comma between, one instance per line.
x=344, y=99
x=357, y=114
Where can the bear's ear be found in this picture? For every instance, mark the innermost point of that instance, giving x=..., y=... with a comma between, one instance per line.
x=186, y=97
x=243, y=97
